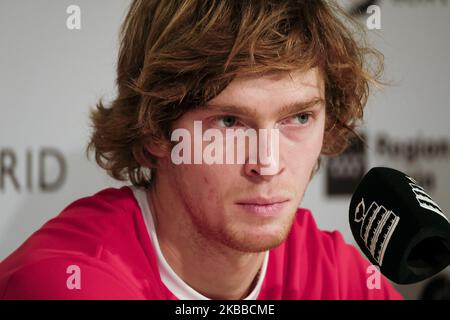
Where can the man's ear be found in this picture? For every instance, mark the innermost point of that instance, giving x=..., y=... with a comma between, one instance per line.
x=158, y=149
x=147, y=154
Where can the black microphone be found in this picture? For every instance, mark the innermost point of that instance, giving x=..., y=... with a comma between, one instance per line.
x=399, y=227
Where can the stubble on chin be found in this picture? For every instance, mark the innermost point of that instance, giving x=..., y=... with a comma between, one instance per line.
x=242, y=238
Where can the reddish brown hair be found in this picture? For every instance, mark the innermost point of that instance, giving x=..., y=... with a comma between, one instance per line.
x=176, y=55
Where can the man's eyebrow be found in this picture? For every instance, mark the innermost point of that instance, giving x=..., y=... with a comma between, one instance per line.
x=291, y=108
x=299, y=106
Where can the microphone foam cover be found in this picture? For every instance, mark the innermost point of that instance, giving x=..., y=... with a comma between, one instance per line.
x=399, y=227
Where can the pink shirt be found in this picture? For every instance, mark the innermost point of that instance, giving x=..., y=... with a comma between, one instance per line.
x=106, y=237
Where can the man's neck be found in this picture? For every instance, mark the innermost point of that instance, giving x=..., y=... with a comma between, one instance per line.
x=211, y=268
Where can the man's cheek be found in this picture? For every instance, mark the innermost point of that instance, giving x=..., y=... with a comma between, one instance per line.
x=210, y=188
x=301, y=171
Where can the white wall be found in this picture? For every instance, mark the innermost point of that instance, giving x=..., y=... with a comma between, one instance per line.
x=51, y=76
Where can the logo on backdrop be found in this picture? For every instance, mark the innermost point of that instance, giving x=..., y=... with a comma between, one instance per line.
x=365, y=9
x=344, y=172
x=43, y=170
x=360, y=7
x=415, y=156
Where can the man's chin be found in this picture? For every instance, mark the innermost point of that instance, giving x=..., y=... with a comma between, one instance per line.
x=254, y=241
x=256, y=247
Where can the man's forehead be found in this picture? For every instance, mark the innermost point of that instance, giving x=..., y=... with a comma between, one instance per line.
x=282, y=93
x=306, y=83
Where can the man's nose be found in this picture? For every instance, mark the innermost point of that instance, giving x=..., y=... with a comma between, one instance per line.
x=264, y=161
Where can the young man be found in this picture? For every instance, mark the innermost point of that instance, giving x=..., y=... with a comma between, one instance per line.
x=200, y=229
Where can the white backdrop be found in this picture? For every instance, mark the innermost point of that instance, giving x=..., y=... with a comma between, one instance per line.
x=51, y=76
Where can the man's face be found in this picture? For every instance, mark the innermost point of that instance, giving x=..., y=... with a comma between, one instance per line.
x=235, y=204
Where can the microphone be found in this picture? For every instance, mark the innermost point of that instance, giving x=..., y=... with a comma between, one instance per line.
x=399, y=227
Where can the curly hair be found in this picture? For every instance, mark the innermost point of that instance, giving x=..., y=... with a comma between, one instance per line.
x=176, y=55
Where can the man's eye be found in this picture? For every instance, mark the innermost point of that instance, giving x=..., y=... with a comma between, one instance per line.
x=226, y=121
x=301, y=118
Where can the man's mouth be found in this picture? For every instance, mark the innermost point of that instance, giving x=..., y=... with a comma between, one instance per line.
x=263, y=206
